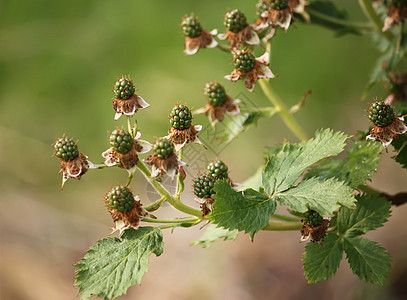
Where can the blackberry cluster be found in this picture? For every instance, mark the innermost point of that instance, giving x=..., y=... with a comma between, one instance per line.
x=203, y=186
x=121, y=141
x=191, y=26
x=262, y=6
x=313, y=218
x=381, y=114
x=120, y=198
x=218, y=169
x=279, y=4
x=244, y=60
x=180, y=117
x=235, y=20
x=215, y=92
x=66, y=149
x=124, y=88
x=163, y=148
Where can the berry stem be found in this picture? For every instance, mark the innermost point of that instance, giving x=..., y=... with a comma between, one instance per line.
x=223, y=48
x=283, y=226
x=285, y=114
x=369, y=11
x=175, y=202
x=180, y=220
x=156, y=204
x=284, y=218
x=180, y=181
x=102, y=166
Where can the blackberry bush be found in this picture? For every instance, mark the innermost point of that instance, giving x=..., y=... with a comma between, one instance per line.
x=313, y=218
x=121, y=141
x=66, y=149
x=218, y=170
x=381, y=114
x=124, y=88
x=215, y=92
x=235, y=20
x=279, y=4
x=191, y=26
x=163, y=148
x=244, y=60
x=203, y=186
x=120, y=198
x=180, y=117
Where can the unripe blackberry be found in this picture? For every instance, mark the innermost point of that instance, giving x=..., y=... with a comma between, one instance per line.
x=381, y=114
x=180, y=117
x=244, y=60
x=66, y=149
x=313, y=218
x=235, y=20
x=218, y=170
x=163, y=148
x=191, y=26
x=120, y=198
x=124, y=88
x=203, y=186
x=397, y=3
x=121, y=141
x=279, y=4
x=215, y=92
x=262, y=6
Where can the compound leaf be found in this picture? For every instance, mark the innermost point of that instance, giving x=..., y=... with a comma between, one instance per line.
x=213, y=234
x=113, y=265
x=321, y=261
x=321, y=196
x=247, y=210
x=367, y=259
x=284, y=168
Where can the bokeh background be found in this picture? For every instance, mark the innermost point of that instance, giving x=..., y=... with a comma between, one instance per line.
x=58, y=60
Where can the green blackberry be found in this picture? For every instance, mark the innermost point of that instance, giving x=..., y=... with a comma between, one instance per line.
x=121, y=141
x=124, y=88
x=120, y=198
x=163, y=148
x=313, y=218
x=191, y=26
x=235, y=20
x=279, y=4
x=244, y=60
x=215, y=92
x=381, y=114
x=218, y=169
x=397, y=3
x=262, y=6
x=180, y=117
x=66, y=149
x=203, y=186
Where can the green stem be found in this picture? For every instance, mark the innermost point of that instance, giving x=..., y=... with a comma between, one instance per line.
x=175, y=202
x=284, y=218
x=270, y=110
x=369, y=11
x=368, y=190
x=177, y=221
x=102, y=166
x=223, y=48
x=283, y=226
x=285, y=114
x=355, y=25
x=156, y=204
x=180, y=180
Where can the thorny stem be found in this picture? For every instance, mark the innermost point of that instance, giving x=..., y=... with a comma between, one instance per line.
x=175, y=202
x=181, y=220
x=285, y=114
x=369, y=11
x=283, y=226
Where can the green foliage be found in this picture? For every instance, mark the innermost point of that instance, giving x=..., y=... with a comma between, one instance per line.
x=213, y=234
x=247, y=210
x=400, y=146
x=361, y=161
x=284, y=168
x=322, y=261
x=366, y=258
x=113, y=265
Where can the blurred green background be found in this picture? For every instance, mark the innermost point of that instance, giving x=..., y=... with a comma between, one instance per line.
x=58, y=61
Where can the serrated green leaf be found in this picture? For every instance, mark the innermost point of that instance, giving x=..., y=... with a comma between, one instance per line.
x=284, y=168
x=248, y=210
x=321, y=196
x=213, y=234
x=367, y=259
x=322, y=261
x=355, y=169
x=371, y=212
x=400, y=147
x=113, y=265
